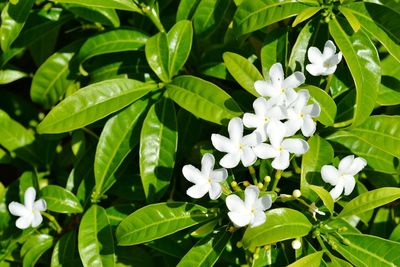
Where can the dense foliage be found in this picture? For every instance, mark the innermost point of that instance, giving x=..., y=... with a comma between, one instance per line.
x=114, y=112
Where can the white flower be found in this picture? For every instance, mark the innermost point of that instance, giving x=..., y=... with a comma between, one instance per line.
x=29, y=213
x=279, y=148
x=296, y=244
x=300, y=115
x=251, y=210
x=206, y=180
x=314, y=210
x=265, y=112
x=279, y=88
x=237, y=146
x=324, y=63
x=343, y=178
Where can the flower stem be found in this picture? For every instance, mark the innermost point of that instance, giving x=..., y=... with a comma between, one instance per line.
x=278, y=176
x=90, y=132
x=328, y=83
x=296, y=167
x=54, y=222
x=151, y=13
x=252, y=172
x=343, y=123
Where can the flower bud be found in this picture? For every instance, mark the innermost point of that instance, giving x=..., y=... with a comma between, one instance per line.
x=260, y=185
x=296, y=193
x=267, y=179
x=234, y=184
x=296, y=244
x=239, y=244
x=246, y=183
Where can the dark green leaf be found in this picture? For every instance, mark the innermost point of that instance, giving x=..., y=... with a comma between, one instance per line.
x=60, y=200
x=101, y=15
x=117, y=4
x=186, y=9
x=64, y=250
x=34, y=248
x=274, y=49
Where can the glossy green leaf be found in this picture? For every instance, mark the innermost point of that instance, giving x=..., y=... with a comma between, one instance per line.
x=205, y=229
x=64, y=250
x=92, y=103
x=34, y=248
x=52, y=78
x=274, y=49
x=180, y=43
x=157, y=54
x=367, y=250
x=379, y=21
x=351, y=19
x=95, y=239
x=305, y=15
x=312, y=260
x=281, y=224
x=10, y=75
x=158, y=144
x=119, y=136
x=207, y=251
x=370, y=200
x=175, y=245
x=105, y=16
x=60, y=200
x=389, y=91
x=13, y=18
x=245, y=73
x=364, y=67
x=338, y=262
x=253, y=15
x=117, y=4
x=118, y=213
x=186, y=9
x=158, y=220
x=319, y=154
x=324, y=196
x=395, y=235
x=203, y=99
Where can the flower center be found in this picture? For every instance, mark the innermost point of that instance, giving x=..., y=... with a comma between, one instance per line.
x=241, y=146
x=280, y=148
x=209, y=180
x=301, y=115
x=266, y=119
x=326, y=64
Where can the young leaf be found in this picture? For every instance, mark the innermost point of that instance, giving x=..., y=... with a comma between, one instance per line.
x=34, y=248
x=92, y=103
x=10, y=75
x=157, y=54
x=95, y=238
x=117, y=4
x=60, y=200
x=298, y=54
x=207, y=251
x=389, y=94
x=281, y=224
x=312, y=260
x=364, y=67
x=324, y=196
x=158, y=143
x=158, y=220
x=64, y=250
x=243, y=71
x=305, y=14
x=370, y=200
x=351, y=19
x=203, y=99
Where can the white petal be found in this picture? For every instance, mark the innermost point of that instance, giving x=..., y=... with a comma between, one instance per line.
x=356, y=166
x=29, y=197
x=265, y=151
x=24, y=222
x=293, y=125
x=230, y=160
x=330, y=174
x=222, y=143
x=308, y=127
x=263, y=203
x=276, y=131
x=40, y=205
x=37, y=219
x=258, y=219
x=207, y=164
x=337, y=191
x=295, y=145
x=17, y=209
x=234, y=203
x=219, y=175
x=192, y=174
x=262, y=87
x=252, y=139
x=313, y=110
x=315, y=70
x=290, y=96
x=252, y=121
x=282, y=161
x=345, y=163
x=329, y=71
x=329, y=49
x=198, y=190
x=276, y=74
x=235, y=129
x=276, y=113
x=248, y=156
x=260, y=106
x=294, y=80
x=251, y=196
x=314, y=55
x=335, y=59
x=215, y=191
x=239, y=219
x=301, y=101
x=349, y=184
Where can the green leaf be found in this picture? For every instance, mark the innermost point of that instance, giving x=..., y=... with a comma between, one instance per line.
x=95, y=239
x=118, y=213
x=274, y=49
x=105, y=16
x=34, y=248
x=379, y=21
x=92, y=103
x=180, y=43
x=364, y=67
x=117, y=40
x=117, y=4
x=52, y=78
x=367, y=250
x=395, y=235
x=312, y=260
x=389, y=91
x=207, y=251
x=64, y=250
x=305, y=14
x=242, y=71
x=13, y=19
x=158, y=220
x=281, y=224
x=10, y=75
x=157, y=54
x=203, y=99
x=328, y=106
x=119, y=136
x=158, y=143
x=60, y=200
x=319, y=154
x=370, y=200
x=134, y=256
x=186, y=9
x=351, y=19
x=339, y=262
x=253, y=15
x=324, y=196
